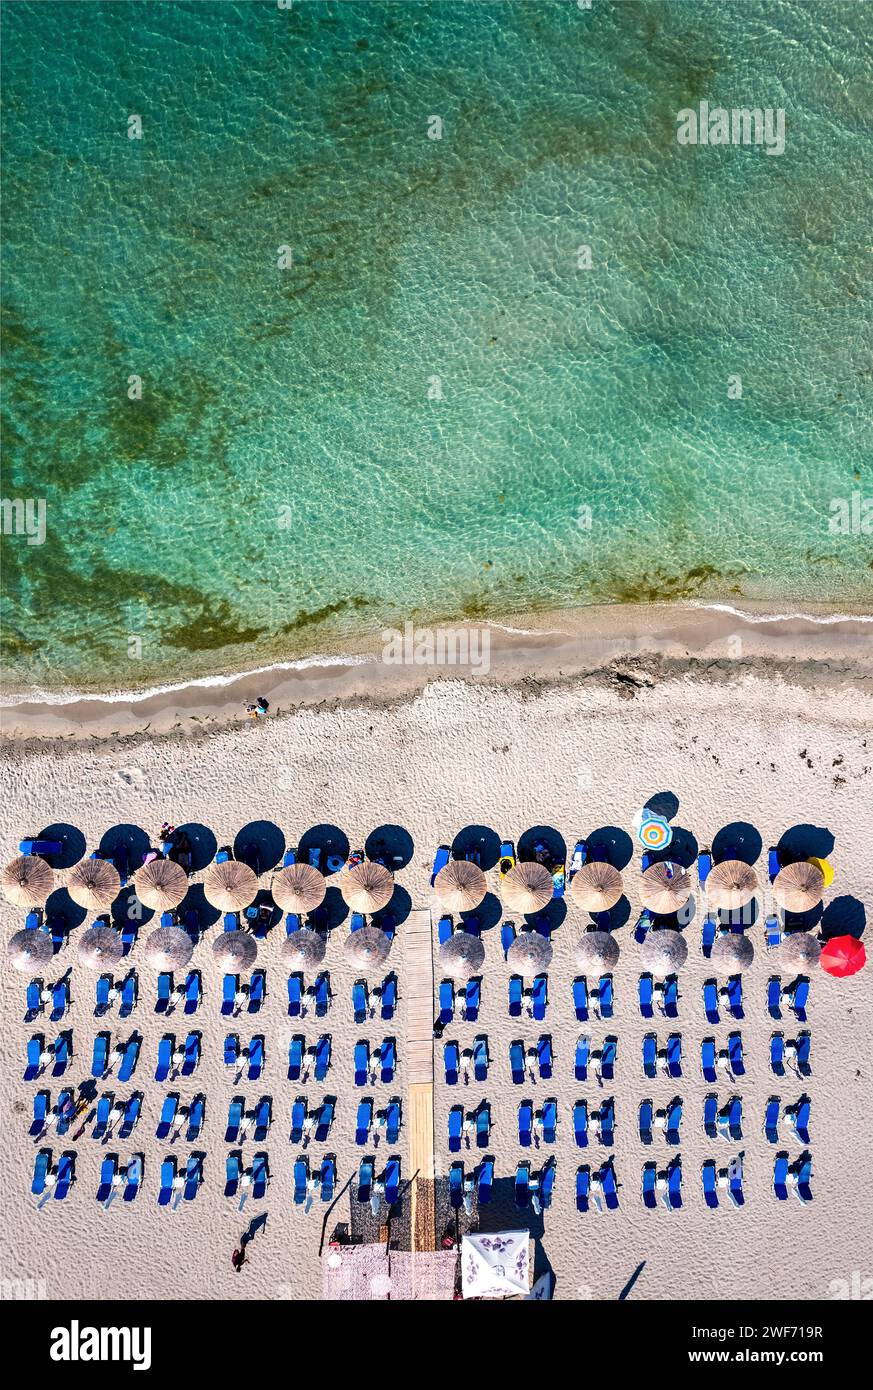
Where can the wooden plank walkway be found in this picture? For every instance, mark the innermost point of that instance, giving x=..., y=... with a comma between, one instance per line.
x=418, y=977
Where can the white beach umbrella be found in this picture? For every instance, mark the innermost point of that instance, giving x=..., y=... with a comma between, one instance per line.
x=462, y=955
x=30, y=949
x=663, y=951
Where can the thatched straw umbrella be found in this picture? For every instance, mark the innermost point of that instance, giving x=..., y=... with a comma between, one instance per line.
x=303, y=949
x=733, y=950
x=798, y=887
x=460, y=886
x=231, y=885
x=799, y=949
x=530, y=954
x=462, y=955
x=367, y=948
x=169, y=948
x=367, y=887
x=30, y=949
x=596, y=887
x=161, y=884
x=235, y=950
x=527, y=887
x=299, y=888
x=596, y=950
x=99, y=947
x=731, y=884
x=663, y=951
x=94, y=884
x=28, y=880
x=662, y=893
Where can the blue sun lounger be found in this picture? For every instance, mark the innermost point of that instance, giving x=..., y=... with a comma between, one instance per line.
x=129, y=995
x=580, y=998
x=228, y=994
x=447, y=1001
x=484, y=1181
x=264, y=1118
x=391, y=1179
x=133, y=1178
x=168, y=1114
x=301, y=1182
x=65, y=1176
x=164, y=990
x=41, y=1166
x=507, y=936
x=735, y=996
x=646, y=995
x=196, y=1113
x=772, y=932
x=254, y=1058
x=322, y=1059
x=295, y=1057
x=257, y=990
x=650, y=1177
x=480, y=1059
x=104, y=1107
x=451, y=1062
x=295, y=995
x=671, y=996
x=547, y=1183
x=473, y=998
x=708, y=933
x=192, y=991
x=707, y=1059
x=525, y=1124
x=773, y=864
x=583, y=1187
x=363, y=1122
x=516, y=994
x=710, y=1001
x=674, y=1183
x=549, y=1121
x=387, y=1060
x=774, y=996
x=704, y=865
x=606, y=996
x=522, y=1186
x=799, y=1119
x=456, y=1186
x=710, y=1187
x=192, y=1055
x=326, y=1178
x=298, y=1119
x=360, y=1000
x=234, y=1120
x=735, y=1118
x=441, y=859
x=610, y=1186
x=544, y=1057
x=130, y=1119
x=735, y=1182
x=168, y=1177
x=710, y=1116
x=323, y=1122
x=392, y=1122
x=780, y=1176
x=771, y=1120
x=646, y=1120
x=165, y=1056
x=362, y=1062
x=607, y=1123
x=60, y=1001
x=539, y=997
x=674, y=1054
x=293, y=923
x=193, y=1177
x=108, y=1171
x=321, y=995
x=674, y=1120
x=804, y=1041
x=100, y=1055
x=41, y=1103
x=650, y=1055
x=456, y=1126
x=445, y=929
x=388, y=996
x=364, y=1180
x=62, y=1049
x=483, y=1126
x=798, y=997
x=735, y=1054
x=517, y=1062
x=644, y=925
x=33, y=1000
x=65, y=1109
x=233, y=1172
x=580, y=1124
x=803, y=1170
x=777, y=1054
x=583, y=1058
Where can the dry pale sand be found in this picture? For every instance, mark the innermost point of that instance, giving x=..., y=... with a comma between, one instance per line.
x=574, y=755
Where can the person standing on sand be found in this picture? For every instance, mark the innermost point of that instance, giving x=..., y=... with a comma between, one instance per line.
x=259, y=708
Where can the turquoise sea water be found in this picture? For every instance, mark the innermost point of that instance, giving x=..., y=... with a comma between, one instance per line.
x=288, y=478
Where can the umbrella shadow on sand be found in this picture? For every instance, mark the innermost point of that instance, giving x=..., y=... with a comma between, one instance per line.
x=805, y=842
x=614, y=845
x=478, y=839
x=843, y=916
x=329, y=839
x=260, y=844
x=542, y=842
x=125, y=845
x=72, y=840
x=739, y=840
x=484, y=917
x=391, y=845
x=682, y=849
x=202, y=844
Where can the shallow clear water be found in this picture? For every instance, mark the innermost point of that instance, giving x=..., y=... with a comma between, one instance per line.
x=287, y=479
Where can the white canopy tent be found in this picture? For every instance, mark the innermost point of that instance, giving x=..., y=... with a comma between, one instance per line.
x=495, y=1264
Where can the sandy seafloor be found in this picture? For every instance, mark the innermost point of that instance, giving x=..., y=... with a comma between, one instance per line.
x=775, y=743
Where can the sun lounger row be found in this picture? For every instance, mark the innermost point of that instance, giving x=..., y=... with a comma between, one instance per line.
x=371, y=1123
x=792, y=1176
x=51, y=996
x=597, y=1190
x=469, y=1126
x=53, y=1179
x=308, y=1061
x=661, y=996
x=176, y=1058
x=794, y=996
x=179, y=1181
x=122, y=1176
x=535, y=1189
x=463, y=999
x=793, y=1118
x=245, y=1058
x=246, y=1181
x=727, y=998
x=186, y=993
x=251, y=1123
x=372, y=1064
x=303, y=998
x=375, y=1188
x=593, y=999
x=366, y=999
x=463, y=1186
x=176, y=1116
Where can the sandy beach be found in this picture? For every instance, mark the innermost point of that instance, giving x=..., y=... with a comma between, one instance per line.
x=572, y=744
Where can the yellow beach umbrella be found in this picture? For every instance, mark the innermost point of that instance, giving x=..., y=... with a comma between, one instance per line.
x=826, y=867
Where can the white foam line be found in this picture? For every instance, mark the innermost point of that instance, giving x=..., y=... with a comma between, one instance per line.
x=786, y=617
x=529, y=631
x=54, y=697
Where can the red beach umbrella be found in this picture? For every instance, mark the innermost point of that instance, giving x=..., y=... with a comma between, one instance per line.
x=843, y=955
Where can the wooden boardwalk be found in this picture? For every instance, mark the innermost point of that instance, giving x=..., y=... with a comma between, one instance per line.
x=418, y=977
